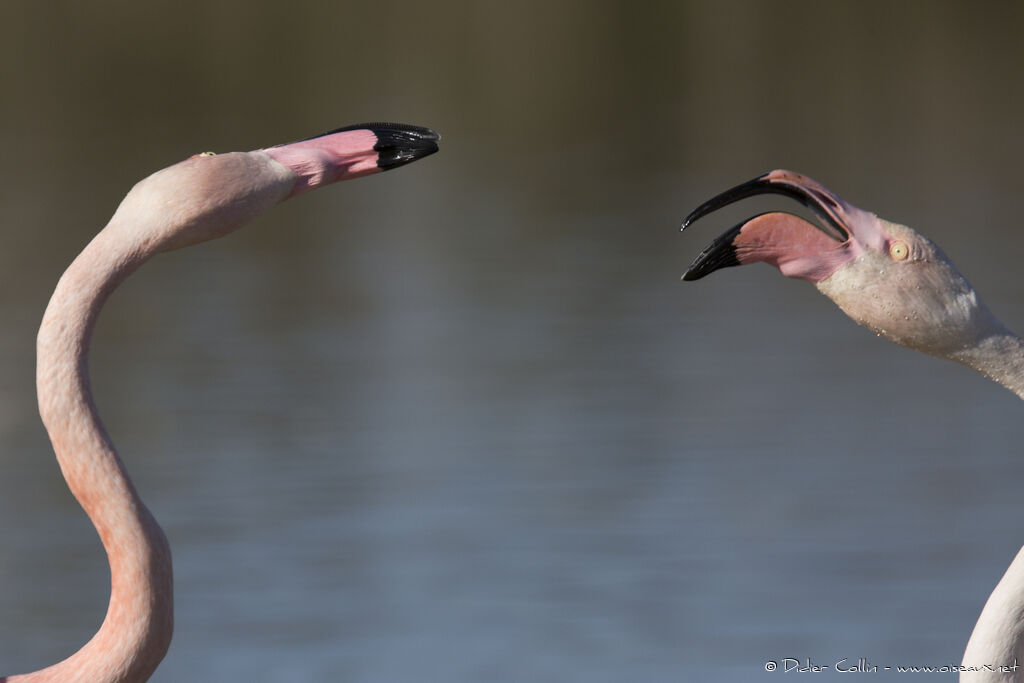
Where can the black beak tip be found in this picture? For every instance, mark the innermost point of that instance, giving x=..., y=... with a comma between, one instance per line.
x=399, y=144
x=721, y=253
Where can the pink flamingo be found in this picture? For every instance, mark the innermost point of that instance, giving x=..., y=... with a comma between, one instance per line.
x=199, y=199
x=901, y=286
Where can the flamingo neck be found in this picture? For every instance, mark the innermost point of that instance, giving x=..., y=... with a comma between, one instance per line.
x=137, y=629
x=998, y=638
x=999, y=357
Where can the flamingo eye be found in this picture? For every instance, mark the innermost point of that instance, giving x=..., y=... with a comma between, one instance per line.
x=899, y=251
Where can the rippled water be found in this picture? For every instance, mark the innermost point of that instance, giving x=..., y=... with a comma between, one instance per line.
x=461, y=422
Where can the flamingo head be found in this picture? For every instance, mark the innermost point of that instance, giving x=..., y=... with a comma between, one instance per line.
x=883, y=275
x=210, y=195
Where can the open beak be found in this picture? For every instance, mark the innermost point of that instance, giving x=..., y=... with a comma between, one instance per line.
x=835, y=214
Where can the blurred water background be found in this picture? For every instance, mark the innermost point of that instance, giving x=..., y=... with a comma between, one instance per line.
x=461, y=421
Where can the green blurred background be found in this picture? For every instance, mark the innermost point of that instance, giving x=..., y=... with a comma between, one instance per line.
x=461, y=422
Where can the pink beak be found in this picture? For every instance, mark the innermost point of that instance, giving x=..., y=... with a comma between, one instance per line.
x=798, y=248
x=353, y=151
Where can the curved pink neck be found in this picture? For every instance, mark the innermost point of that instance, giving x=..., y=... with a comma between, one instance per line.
x=999, y=357
x=997, y=642
x=137, y=629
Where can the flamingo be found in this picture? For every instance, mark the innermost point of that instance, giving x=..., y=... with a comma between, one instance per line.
x=900, y=285
x=202, y=198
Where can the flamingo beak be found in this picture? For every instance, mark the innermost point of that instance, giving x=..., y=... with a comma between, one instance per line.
x=719, y=254
x=397, y=143
x=835, y=214
x=353, y=151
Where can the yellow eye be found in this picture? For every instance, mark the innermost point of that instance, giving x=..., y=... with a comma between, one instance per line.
x=899, y=250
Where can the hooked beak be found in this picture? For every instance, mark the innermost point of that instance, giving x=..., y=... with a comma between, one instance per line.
x=397, y=143
x=837, y=219
x=353, y=151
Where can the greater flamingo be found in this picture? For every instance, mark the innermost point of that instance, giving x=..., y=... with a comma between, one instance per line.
x=202, y=198
x=900, y=285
